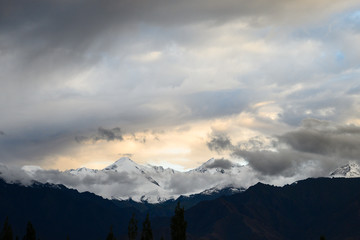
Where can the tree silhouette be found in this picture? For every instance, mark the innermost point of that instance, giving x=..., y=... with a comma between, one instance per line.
x=178, y=224
x=111, y=236
x=322, y=238
x=6, y=232
x=30, y=232
x=132, y=228
x=146, y=233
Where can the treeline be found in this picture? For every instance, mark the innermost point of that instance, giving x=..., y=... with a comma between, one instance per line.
x=7, y=232
x=178, y=227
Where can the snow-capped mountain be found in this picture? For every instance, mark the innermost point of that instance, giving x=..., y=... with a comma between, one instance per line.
x=350, y=170
x=126, y=179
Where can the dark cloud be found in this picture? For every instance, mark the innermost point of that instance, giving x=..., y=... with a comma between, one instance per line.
x=219, y=142
x=61, y=56
x=325, y=138
x=220, y=163
x=141, y=139
x=102, y=134
x=33, y=147
x=270, y=162
x=2, y=133
x=322, y=144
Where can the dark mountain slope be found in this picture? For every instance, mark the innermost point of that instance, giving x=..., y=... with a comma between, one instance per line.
x=57, y=212
x=304, y=210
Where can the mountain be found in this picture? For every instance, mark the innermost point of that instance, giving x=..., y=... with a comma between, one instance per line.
x=57, y=212
x=350, y=170
x=125, y=179
x=306, y=209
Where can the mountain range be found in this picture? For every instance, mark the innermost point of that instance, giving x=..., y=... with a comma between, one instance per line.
x=125, y=179
x=306, y=209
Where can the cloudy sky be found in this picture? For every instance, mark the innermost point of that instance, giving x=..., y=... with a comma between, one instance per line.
x=275, y=84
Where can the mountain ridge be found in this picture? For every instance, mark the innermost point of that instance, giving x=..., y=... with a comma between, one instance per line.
x=306, y=209
x=125, y=179
x=144, y=183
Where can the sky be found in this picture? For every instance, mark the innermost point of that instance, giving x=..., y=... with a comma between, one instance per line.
x=272, y=84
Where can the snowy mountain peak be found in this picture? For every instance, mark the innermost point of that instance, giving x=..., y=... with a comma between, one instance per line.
x=122, y=164
x=127, y=179
x=124, y=159
x=350, y=170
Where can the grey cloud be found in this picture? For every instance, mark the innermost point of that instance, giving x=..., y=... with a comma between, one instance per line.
x=2, y=133
x=33, y=147
x=289, y=163
x=106, y=185
x=73, y=55
x=219, y=143
x=141, y=139
x=102, y=134
x=217, y=103
x=220, y=163
x=109, y=134
x=14, y=175
x=257, y=143
x=271, y=163
x=325, y=138
x=316, y=144
x=61, y=34
x=331, y=106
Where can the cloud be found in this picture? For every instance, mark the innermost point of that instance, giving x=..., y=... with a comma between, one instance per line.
x=317, y=144
x=220, y=163
x=102, y=134
x=219, y=142
x=325, y=138
x=161, y=64
x=284, y=162
x=2, y=133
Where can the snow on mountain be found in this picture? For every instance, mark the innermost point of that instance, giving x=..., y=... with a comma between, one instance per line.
x=82, y=171
x=350, y=170
x=126, y=179
x=124, y=164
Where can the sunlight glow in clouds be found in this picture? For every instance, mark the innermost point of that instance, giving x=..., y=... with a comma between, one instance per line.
x=158, y=80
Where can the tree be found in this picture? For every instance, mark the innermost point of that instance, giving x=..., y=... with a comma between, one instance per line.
x=132, y=228
x=30, y=232
x=178, y=224
x=146, y=233
x=322, y=238
x=111, y=236
x=6, y=232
